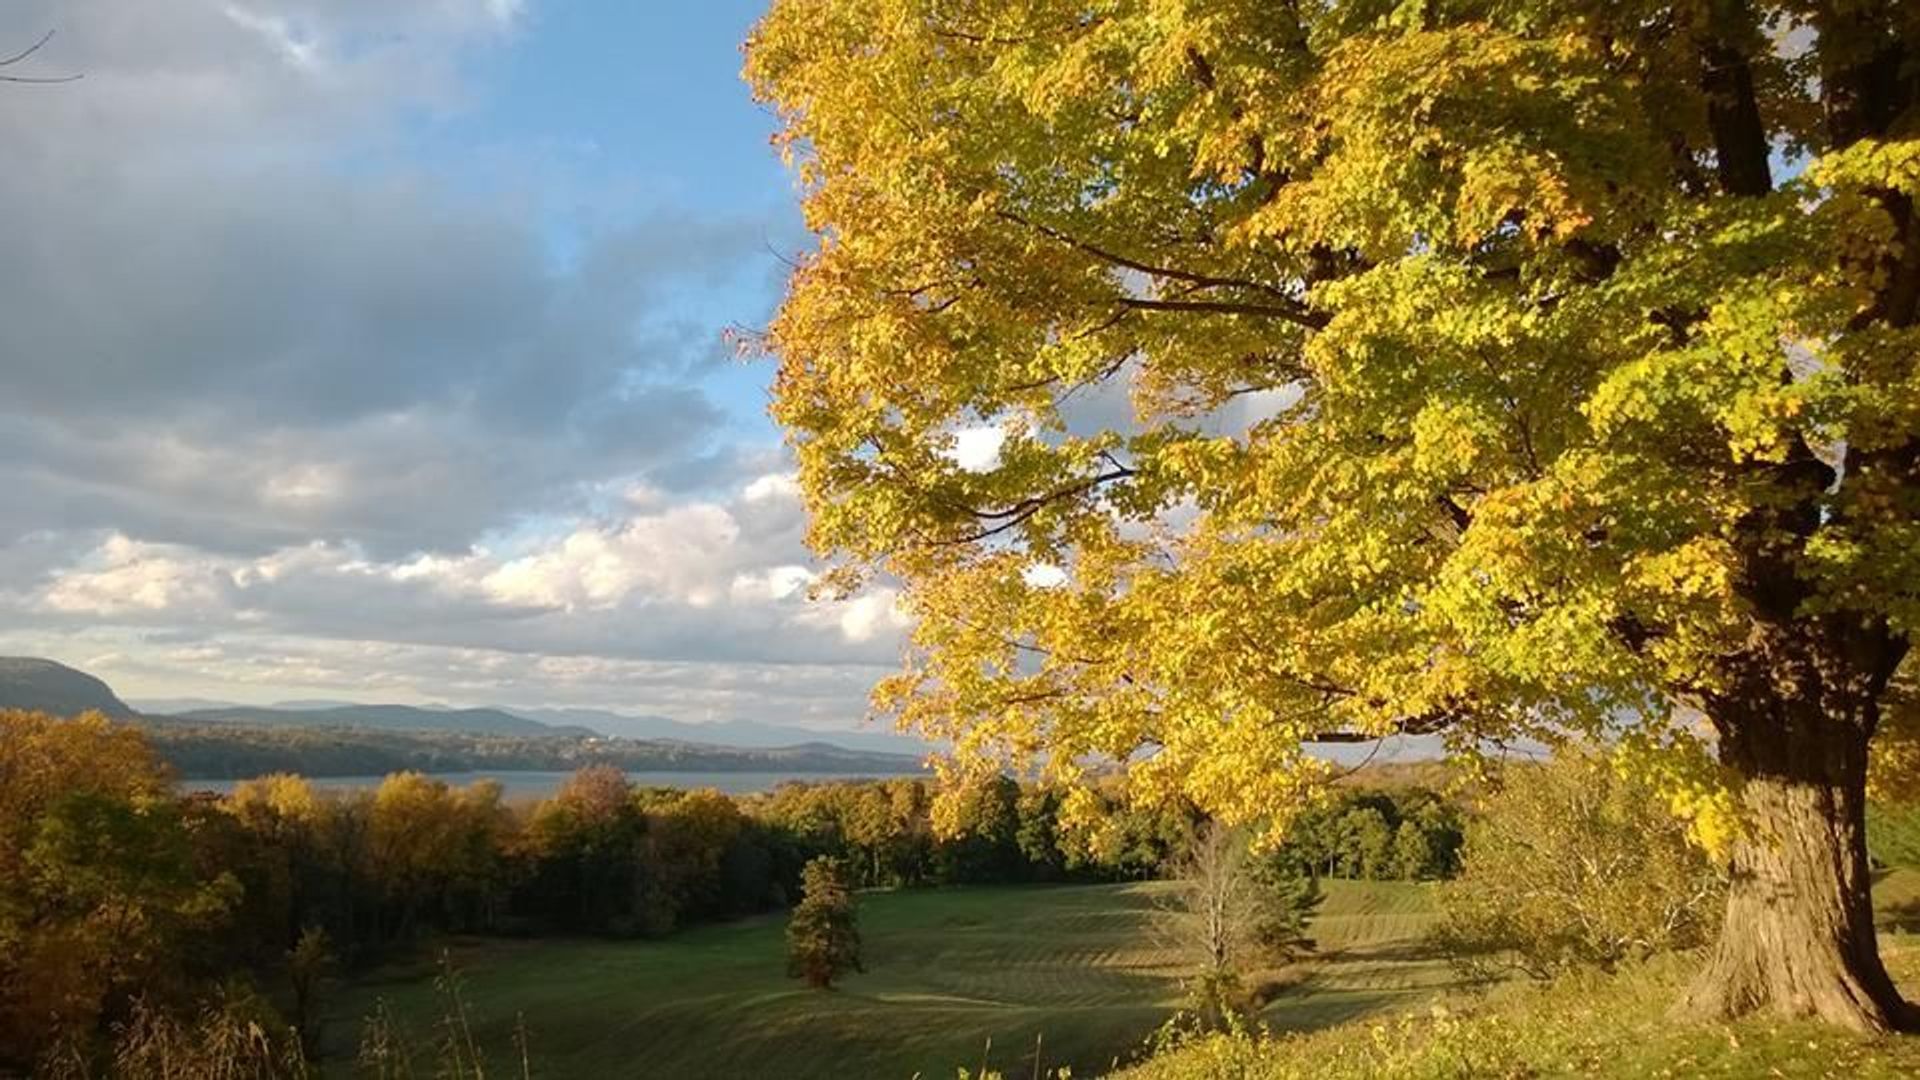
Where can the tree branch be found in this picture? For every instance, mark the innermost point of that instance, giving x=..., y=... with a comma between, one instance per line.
x=29, y=51
x=1288, y=308
x=1012, y=516
x=1312, y=320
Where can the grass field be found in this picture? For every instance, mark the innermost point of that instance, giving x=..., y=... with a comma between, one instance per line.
x=1370, y=954
x=1588, y=1025
x=1077, y=972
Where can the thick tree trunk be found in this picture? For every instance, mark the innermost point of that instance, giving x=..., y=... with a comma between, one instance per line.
x=1799, y=938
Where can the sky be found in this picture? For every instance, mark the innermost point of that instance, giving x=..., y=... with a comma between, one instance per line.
x=375, y=350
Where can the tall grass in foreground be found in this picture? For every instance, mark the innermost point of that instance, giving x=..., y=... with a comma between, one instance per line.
x=236, y=1036
x=388, y=1051
x=233, y=1037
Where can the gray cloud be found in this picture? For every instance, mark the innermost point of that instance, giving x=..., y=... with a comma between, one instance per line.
x=287, y=401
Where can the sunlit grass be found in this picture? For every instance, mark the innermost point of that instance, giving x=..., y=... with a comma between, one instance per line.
x=1585, y=1025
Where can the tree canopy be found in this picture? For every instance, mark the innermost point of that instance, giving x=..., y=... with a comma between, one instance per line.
x=1484, y=369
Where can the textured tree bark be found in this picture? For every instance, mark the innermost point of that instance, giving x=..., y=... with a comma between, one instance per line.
x=1798, y=939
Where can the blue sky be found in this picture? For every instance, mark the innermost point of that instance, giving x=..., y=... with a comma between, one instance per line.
x=648, y=93
x=373, y=349
x=634, y=108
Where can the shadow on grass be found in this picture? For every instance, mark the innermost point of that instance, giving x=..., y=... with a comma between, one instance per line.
x=1900, y=918
x=1403, y=951
x=1896, y=893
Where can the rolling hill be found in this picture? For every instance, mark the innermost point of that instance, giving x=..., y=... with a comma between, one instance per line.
x=234, y=751
x=1017, y=979
x=47, y=686
x=502, y=719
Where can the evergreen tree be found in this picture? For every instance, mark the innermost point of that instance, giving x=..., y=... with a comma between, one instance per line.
x=822, y=941
x=1285, y=902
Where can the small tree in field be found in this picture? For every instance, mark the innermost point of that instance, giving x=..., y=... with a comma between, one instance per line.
x=1285, y=902
x=822, y=941
x=1229, y=912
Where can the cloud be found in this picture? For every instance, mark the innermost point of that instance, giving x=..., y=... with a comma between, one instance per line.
x=247, y=315
x=977, y=449
x=298, y=395
x=773, y=486
x=265, y=669
x=672, y=556
x=132, y=576
x=695, y=581
x=868, y=617
x=1044, y=576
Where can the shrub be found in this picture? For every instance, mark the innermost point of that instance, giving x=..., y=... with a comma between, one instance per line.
x=1568, y=863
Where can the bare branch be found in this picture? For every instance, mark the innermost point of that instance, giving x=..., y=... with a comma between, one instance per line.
x=29, y=51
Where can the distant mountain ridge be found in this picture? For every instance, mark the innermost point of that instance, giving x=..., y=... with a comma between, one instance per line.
x=384, y=718
x=28, y=682
x=45, y=685
x=745, y=733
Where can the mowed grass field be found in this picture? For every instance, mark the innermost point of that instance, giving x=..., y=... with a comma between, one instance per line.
x=1370, y=954
x=1081, y=974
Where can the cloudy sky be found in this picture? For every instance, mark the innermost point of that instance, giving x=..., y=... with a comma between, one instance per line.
x=373, y=349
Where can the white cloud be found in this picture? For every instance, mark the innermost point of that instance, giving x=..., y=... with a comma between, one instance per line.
x=697, y=578
x=305, y=484
x=673, y=555
x=1044, y=576
x=870, y=616
x=300, y=51
x=125, y=575
x=773, y=486
x=977, y=449
x=1263, y=405
x=778, y=583
x=504, y=11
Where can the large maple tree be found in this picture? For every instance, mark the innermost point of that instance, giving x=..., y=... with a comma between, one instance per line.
x=1496, y=368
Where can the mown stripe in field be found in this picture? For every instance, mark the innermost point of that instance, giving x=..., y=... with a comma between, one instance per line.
x=1081, y=966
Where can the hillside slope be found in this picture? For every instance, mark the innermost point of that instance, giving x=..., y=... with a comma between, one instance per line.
x=28, y=682
x=319, y=738
x=1076, y=976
